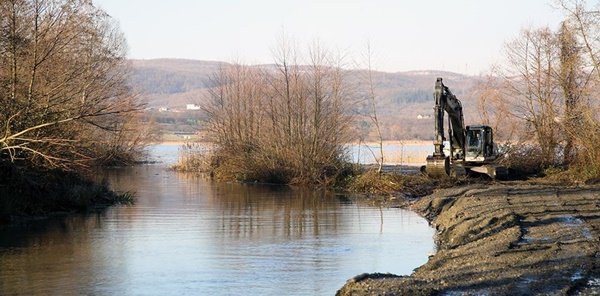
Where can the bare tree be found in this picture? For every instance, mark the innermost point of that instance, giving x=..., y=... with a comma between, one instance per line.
x=284, y=124
x=234, y=113
x=315, y=103
x=580, y=77
x=572, y=81
x=585, y=23
x=371, y=99
x=62, y=73
x=529, y=79
x=494, y=108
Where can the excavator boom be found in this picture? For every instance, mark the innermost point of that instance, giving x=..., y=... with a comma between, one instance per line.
x=438, y=164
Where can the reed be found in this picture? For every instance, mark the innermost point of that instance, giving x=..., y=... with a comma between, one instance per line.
x=193, y=157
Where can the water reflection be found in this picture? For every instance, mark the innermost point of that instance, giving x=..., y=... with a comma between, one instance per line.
x=189, y=236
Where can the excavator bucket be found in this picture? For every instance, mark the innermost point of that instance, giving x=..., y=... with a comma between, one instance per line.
x=437, y=166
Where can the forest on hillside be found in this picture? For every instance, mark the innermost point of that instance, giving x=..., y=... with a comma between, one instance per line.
x=404, y=100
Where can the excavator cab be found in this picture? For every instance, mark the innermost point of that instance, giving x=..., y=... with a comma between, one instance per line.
x=479, y=144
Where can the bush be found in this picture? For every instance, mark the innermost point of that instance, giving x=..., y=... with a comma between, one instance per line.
x=193, y=157
x=283, y=126
x=522, y=159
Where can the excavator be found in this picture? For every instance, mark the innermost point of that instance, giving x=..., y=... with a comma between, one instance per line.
x=471, y=148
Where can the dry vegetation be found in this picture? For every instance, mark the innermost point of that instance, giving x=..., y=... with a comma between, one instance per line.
x=64, y=98
x=193, y=157
x=64, y=92
x=286, y=123
x=544, y=96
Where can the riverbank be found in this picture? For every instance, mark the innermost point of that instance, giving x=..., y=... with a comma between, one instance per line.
x=31, y=193
x=512, y=238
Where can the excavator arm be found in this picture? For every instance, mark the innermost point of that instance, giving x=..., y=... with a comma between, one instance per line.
x=446, y=102
x=453, y=107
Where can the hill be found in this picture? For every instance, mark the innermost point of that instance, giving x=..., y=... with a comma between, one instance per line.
x=404, y=99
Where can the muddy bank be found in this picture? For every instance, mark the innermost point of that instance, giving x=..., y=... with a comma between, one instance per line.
x=503, y=239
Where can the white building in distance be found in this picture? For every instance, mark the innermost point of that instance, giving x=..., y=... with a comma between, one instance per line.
x=192, y=107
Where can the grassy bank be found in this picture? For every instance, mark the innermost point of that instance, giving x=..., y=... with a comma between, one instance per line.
x=41, y=192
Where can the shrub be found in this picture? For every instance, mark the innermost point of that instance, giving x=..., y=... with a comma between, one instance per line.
x=193, y=157
x=287, y=125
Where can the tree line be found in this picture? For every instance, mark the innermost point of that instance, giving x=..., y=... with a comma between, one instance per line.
x=288, y=123
x=545, y=92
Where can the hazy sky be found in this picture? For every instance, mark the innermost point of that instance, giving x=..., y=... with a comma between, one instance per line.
x=464, y=36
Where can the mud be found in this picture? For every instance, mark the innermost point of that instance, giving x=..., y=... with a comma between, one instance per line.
x=503, y=239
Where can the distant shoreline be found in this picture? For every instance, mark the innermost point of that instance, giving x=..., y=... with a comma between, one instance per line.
x=397, y=143
x=394, y=157
x=371, y=143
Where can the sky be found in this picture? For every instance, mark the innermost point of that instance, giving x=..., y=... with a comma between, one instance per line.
x=463, y=36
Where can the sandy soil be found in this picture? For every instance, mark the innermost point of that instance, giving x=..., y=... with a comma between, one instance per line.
x=511, y=238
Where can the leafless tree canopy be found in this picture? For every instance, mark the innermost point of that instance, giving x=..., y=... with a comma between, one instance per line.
x=284, y=124
x=545, y=94
x=64, y=99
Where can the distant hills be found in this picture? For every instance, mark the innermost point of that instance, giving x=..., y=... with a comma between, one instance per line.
x=404, y=99
x=171, y=76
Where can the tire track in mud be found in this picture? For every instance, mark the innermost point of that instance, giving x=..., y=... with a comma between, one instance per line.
x=556, y=238
x=504, y=238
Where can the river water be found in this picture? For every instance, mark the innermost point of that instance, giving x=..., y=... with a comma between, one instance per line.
x=189, y=236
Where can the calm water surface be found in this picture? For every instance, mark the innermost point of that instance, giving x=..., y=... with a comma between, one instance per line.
x=186, y=235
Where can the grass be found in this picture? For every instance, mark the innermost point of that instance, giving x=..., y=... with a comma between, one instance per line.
x=372, y=182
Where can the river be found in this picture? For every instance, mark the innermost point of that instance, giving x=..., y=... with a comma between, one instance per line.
x=189, y=236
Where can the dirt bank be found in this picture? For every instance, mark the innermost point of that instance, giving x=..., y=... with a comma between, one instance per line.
x=503, y=239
